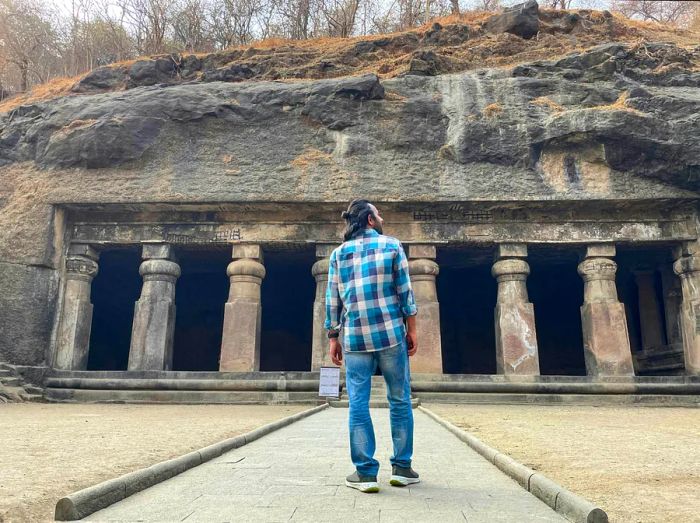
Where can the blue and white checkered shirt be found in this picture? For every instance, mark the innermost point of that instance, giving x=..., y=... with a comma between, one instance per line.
x=368, y=281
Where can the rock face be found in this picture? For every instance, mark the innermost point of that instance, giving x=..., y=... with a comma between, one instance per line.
x=616, y=122
x=521, y=20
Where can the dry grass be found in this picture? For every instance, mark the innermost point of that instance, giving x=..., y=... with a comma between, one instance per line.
x=310, y=157
x=492, y=110
x=300, y=60
x=51, y=89
x=544, y=101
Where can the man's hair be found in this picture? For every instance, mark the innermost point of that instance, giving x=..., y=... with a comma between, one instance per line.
x=356, y=218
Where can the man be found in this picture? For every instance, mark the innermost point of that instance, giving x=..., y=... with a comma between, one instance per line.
x=368, y=282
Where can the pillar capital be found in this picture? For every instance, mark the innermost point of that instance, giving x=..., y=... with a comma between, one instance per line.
x=511, y=250
x=324, y=250
x=157, y=251
x=159, y=270
x=246, y=267
x=423, y=268
x=592, y=269
x=80, y=267
x=319, y=270
x=510, y=269
x=687, y=266
x=247, y=250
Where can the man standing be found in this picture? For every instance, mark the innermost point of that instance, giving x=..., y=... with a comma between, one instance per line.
x=368, y=282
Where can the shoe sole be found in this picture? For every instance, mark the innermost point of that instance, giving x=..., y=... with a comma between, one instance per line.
x=401, y=481
x=368, y=487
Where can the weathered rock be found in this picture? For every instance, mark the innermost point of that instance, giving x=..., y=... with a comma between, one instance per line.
x=102, y=78
x=521, y=20
x=150, y=72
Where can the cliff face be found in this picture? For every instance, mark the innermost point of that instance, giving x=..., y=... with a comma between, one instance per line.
x=617, y=121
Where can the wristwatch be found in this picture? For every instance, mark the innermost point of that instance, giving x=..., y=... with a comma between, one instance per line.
x=333, y=334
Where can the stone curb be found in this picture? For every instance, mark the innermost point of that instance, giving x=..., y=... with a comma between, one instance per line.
x=569, y=505
x=84, y=502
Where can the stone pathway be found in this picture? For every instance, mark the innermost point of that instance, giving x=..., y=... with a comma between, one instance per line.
x=297, y=474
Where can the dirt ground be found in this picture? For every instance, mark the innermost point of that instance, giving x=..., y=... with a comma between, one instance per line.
x=48, y=451
x=639, y=464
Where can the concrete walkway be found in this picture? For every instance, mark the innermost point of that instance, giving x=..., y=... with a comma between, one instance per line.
x=297, y=474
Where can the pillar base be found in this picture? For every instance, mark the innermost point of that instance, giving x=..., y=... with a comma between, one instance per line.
x=240, y=349
x=690, y=320
x=516, y=339
x=428, y=359
x=605, y=340
x=75, y=334
x=320, y=356
x=152, y=335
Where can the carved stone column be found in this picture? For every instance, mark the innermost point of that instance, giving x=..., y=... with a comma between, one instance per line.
x=673, y=295
x=687, y=266
x=423, y=270
x=240, y=343
x=319, y=350
x=73, y=340
x=154, y=313
x=606, y=341
x=516, y=336
x=649, y=311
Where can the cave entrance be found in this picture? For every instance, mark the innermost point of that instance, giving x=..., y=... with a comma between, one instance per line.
x=114, y=292
x=287, y=295
x=467, y=294
x=556, y=292
x=200, y=295
x=651, y=292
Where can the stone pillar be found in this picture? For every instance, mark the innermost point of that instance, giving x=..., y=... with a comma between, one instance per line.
x=73, y=340
x=154, y=313
x=649, y=311
x=320, y=345
x=671, y=287
x=240, y=343
x=423, y=271
x=687, y=266
x=606, y=342
x=516, y=336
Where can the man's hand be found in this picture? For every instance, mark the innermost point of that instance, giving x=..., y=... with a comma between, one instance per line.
x=411, y=336
x=336, y=352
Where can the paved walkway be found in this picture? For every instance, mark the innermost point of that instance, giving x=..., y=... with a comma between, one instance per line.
x=297, y=474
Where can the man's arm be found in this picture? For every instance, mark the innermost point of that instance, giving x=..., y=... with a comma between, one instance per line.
x=333, y=303
x=333, y=309
x=407, y=300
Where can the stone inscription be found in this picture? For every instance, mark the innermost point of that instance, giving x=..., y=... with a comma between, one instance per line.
x=455, y=213
x=227, y=235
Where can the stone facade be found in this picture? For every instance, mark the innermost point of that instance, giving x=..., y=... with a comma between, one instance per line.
x=255, y=168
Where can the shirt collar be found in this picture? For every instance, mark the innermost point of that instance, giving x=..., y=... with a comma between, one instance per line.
x=369, y=232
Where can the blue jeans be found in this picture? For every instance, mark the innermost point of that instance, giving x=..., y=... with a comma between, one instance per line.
x=359, y=368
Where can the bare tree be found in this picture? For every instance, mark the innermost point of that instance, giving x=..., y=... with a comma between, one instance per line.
x=340, y=16
x=190, y=26
x=666, y=12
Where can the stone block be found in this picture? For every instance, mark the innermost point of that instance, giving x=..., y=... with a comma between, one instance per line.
x=511, y=250
x=324, y=250
x=152, y=335
x=516, y=339
x=428, y=359
x=83, y=249
x=600, y=250
x=240, y=345
x=605, y=339
x=243, y=250
x=422, y=250
x=157, y=251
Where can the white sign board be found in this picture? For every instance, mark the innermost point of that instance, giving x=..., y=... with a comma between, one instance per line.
x=329, y=384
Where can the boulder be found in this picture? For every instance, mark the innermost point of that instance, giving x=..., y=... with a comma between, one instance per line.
x=521, y=20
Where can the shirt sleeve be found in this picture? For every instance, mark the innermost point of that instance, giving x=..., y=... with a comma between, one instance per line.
x=333, y=303
x=403, y=284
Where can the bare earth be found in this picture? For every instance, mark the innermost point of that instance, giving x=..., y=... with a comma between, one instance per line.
x=639, y=464
x=48, y=451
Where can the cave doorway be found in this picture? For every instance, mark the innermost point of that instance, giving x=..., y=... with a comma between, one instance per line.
x=200, y=295
x=467, y=294
x=287, y=294
x=556, y=292
x=651, y=292
x=114, y=292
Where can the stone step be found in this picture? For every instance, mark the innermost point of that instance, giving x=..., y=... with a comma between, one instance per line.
x=181, y=396
x=269, y=385
x=5, y=372
x=32, y=389
x=32, y=398
x=494, y=398
x=11, y=382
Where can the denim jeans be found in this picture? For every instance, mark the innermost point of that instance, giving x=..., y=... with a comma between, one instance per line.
x=359, y=369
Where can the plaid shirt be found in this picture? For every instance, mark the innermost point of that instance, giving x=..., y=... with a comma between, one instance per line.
x=368, y=280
